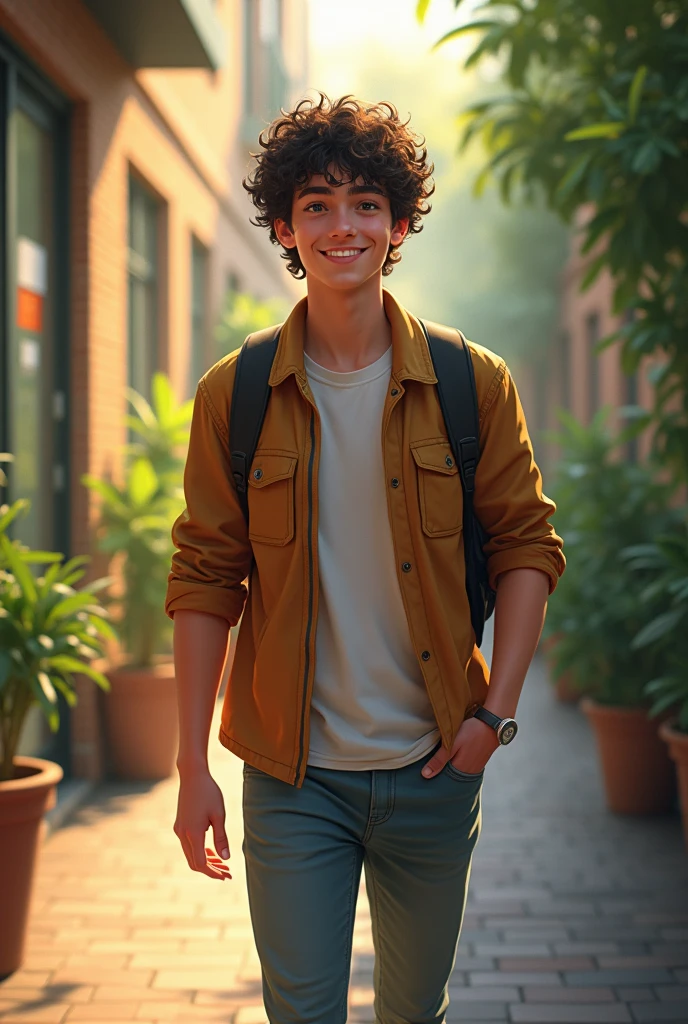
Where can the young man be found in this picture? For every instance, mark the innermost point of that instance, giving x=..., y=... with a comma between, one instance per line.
x=356, y=673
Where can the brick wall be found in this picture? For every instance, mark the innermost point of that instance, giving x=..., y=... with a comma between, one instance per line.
x=179, y=130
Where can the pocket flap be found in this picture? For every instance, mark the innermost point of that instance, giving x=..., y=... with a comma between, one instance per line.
x=269, y=467
x=435, y=455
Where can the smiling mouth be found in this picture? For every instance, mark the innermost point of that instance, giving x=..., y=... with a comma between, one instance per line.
x=342, y=254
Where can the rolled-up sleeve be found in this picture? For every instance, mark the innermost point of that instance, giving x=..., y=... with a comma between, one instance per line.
x=508, y=496
x=213, y=553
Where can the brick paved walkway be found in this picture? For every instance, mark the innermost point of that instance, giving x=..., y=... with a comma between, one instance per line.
x=573, y=916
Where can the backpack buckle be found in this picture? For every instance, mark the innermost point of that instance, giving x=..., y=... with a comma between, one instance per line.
x=238, y=464
x=470, y=453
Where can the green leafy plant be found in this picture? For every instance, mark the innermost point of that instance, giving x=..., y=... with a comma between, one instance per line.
x=243, y=313
x=593, y=114
x=604, y=505
x=49, y=632
x=666, y=633
x=136, y=517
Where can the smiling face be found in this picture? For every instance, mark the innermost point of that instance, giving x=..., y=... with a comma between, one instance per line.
x=342, y=232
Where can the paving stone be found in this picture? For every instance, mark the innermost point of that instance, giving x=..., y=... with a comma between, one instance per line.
x=476, y=1012
x=524, y=949
x=28, y=1013
x=560, y=1013
x=564, y=994
x=672, y=993
x=484, y=993
x=513, y=978
x=635, y=994
x=551, y=963
x=659, y=1011
x=649, y=976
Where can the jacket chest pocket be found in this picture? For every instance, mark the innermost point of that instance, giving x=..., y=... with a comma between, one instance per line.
x=271, y=498
x=439, y=488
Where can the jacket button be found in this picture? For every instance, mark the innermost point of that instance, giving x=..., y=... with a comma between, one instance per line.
x=406, y=566
x=449, y=461
x=257, y=474
x=395, y=392
x=425, y=655
x=395, y=482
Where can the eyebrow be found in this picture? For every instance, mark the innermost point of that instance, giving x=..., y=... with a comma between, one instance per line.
x=353, y=190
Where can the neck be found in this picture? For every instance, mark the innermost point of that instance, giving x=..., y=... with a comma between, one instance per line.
x=346, y=330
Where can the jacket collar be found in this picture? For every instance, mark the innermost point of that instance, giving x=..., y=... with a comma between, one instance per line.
x=410, y=353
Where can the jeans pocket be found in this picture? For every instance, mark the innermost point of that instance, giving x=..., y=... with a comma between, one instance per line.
x=460, y=776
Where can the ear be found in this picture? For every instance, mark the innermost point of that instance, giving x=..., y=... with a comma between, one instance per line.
x=399, y=231
x=285, y=235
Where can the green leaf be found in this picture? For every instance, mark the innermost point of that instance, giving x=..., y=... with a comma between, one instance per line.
x=421, y=10
x=602, y=130
x=18, y=569
x=81, y=601
x=142, y=483
x=8, y=514
x=462, y=30
x=658, y=628
x=647, y=158
x=635, y=92
x=64, y=663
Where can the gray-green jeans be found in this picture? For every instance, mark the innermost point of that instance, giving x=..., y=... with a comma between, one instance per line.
x=304, y=851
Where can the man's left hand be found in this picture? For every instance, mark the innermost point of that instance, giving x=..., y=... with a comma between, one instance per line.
x=473, y=747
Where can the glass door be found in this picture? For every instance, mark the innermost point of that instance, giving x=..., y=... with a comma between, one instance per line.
x=31, y=347
x=34, y=337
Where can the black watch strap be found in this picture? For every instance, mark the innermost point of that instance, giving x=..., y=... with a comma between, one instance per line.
x=487, y=717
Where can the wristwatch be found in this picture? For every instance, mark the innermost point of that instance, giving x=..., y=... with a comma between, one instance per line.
x=506, y=728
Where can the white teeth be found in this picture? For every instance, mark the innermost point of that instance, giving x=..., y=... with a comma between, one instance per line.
x=343, y=252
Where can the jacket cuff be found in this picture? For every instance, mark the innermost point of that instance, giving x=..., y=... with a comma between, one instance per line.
x=522, y=558
x=200, y=597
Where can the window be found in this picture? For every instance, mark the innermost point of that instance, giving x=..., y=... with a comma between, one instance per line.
x=265, y=78
x=143, y=287
x=199, y=318
x=592, y=331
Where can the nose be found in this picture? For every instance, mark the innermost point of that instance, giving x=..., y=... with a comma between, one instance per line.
x=342, y=226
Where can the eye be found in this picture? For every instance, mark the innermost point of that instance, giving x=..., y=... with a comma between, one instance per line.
x=312, y=207
x=369, y=204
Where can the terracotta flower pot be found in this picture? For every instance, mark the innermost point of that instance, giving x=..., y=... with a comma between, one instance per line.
x=637, y=772
x=142, y=721
x=677, y=743
x=23, y=802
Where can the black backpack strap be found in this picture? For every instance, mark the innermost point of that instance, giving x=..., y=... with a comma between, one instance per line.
x=458, y=398
x=250, y=398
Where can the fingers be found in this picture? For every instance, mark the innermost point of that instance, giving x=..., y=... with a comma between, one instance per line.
x=220, y=837
x=436, y=763
x=205, y=861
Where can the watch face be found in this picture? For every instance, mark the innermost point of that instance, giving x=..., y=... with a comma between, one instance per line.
x=508, y=731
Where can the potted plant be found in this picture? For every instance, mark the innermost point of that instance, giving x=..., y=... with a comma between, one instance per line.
x=134, y=527
x=666, y=559
x=49, y=633
x=607, y=504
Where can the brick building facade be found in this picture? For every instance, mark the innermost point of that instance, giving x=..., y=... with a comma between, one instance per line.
x=575, y=376
x=125, y=131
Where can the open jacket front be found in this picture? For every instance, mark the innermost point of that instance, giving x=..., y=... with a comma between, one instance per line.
x=265, y=717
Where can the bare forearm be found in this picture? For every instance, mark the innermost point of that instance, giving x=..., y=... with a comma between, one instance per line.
x=200, y=648
x=519, y=617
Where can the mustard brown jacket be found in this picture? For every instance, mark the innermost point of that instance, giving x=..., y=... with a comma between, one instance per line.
x=265, y=716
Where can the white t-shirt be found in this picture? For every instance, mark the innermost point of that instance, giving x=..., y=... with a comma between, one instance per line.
x=370, y=707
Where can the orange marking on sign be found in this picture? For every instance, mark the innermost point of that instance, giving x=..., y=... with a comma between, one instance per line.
x=29, y=310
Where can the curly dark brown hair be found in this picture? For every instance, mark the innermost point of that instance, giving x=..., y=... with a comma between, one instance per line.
x=360, y=140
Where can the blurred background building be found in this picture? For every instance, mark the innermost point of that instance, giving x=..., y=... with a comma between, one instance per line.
x=125, y=131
